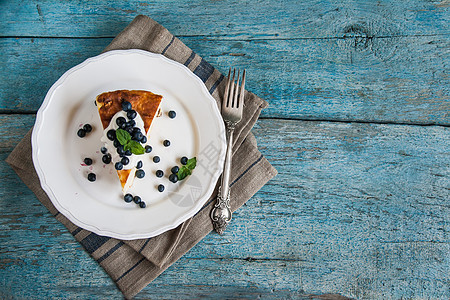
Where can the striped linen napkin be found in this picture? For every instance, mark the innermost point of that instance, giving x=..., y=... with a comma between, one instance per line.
x=132, y=265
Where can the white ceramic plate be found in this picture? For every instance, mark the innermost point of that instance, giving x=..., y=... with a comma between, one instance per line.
x=58, y=152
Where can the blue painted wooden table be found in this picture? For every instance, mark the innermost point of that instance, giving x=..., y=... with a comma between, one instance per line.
x=358, y=128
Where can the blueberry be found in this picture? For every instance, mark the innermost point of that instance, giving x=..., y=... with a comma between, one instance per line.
x=123, y=125
x=118, y=166
x=103, y=150
x=184, y=160
x=166, y=143
x=156, y=159
x=175, y=170
x=125, y=160
x=142, y=204
x=126, y=106
x=128, y=198
x=129, y=129
x=131, y=123
x=131, y=114
x=81, y=132
x=173, y=178
x=136, y=129
x=139, y=164
x=143, y=140
x=161, y=188
x=140, y=173
x=91, y=177
x=111, y=134
x=88, y=161
x=148, y=149
x=172, y=114
x=137, y=136
x=159, y=173
x=120, y=121
x=95, y=102
x=106, y=158
x=87, y=127
x=128, y=153
x=116, y=143
x=120, y=150
x=137, y=199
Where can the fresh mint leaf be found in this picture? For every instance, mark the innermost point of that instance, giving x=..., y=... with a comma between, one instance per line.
x=123, y=136
x=186, y=170
x=183, y=173
x=191, y=163
x=135, y=147
x=125, y=140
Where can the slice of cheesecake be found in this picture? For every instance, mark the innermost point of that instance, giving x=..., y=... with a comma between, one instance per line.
x=133, y=111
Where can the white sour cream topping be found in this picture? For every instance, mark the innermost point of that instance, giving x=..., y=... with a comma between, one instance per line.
x=134, y=159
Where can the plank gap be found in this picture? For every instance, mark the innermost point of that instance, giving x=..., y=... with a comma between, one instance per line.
x=248, y=259
x=231, y=38
x=356, y=121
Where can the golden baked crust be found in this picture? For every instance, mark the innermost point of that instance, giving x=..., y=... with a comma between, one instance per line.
x=144, y=102
x=123, y=176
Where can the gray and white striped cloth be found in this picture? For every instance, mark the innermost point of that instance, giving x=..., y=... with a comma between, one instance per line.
x=132, y=265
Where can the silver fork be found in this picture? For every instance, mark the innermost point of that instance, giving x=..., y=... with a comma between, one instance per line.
x=232, y=108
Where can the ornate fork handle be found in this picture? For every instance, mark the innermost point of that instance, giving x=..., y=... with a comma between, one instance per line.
x=221, y=213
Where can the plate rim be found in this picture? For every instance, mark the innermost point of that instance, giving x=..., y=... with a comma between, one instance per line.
x=48, y=190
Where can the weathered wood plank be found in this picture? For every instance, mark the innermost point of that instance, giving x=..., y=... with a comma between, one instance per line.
x=357, y=209
x=398, y=80
x=229, y=19
x=33, y=75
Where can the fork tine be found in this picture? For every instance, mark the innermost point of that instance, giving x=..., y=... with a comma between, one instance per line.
x=231, y=92
x=227, y=89
x=240, y=103
x=236, y=91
